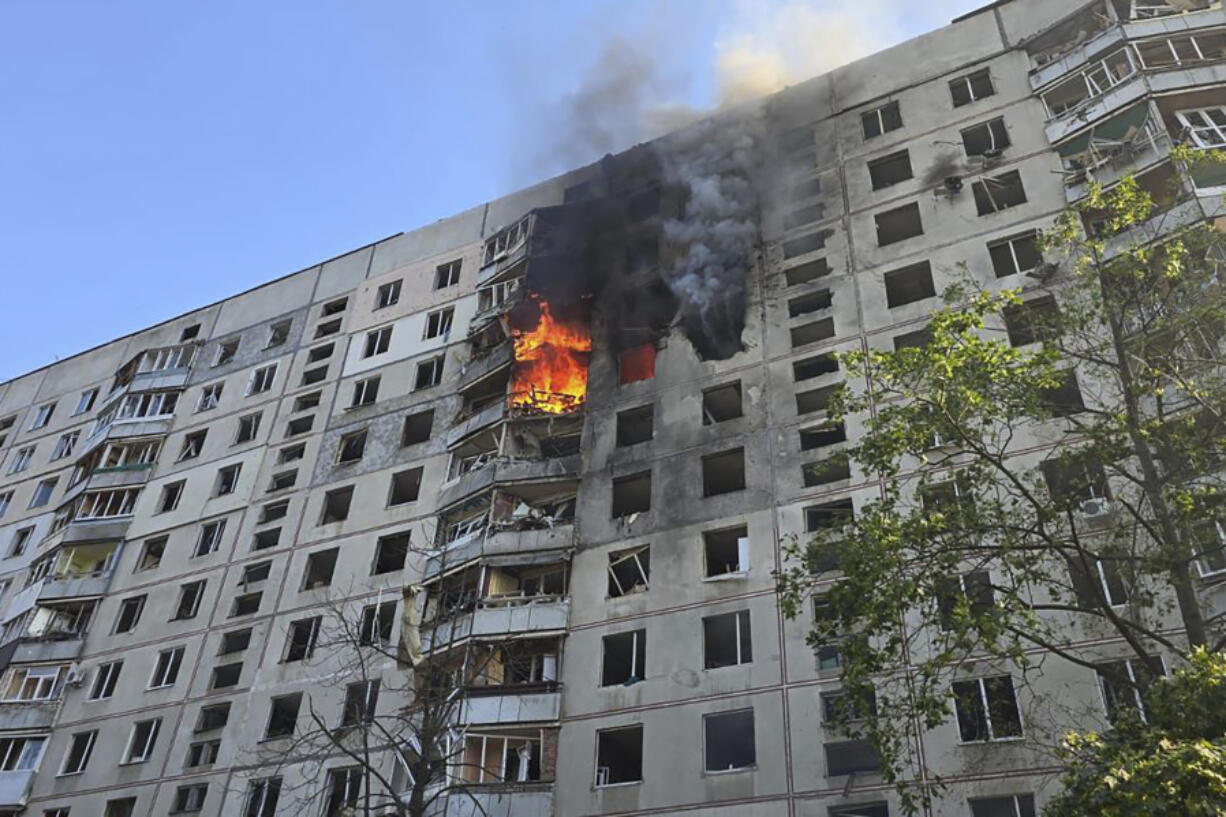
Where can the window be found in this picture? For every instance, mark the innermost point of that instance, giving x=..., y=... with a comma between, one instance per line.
x=334, y=307
x=86, y=402
x=43, y=492
x=729, y=741
x=283, y=480
x=913, y=340
x=1098, y=581
x=65, y=444
x=973, y=589
x=1014, y=255
x=909, y=284
x=105, y=679
x=303, y=633
x=726, y=640
x=151, y=553
x=278, y=333
x=629, y=570
x=20, y=754
x=210, y=396
x=320, y=566
x=309, y=378
x=121, y=807
x=377, y=342
x=636, y=363
x=1013, y=805
x=361, y=700
x=193, y=445
x=234, y=641
x=6, y=423
x=365, y=392
x=971, y=87
x=429, y=373
x=351, y=446
x=624, y=658
x=21, y=538
x=405, y=487
x=79, y=750
x=388, y=294
x=721, y=403
x=1206, y=126
x=226, y=675
x=166, y=669
x=344, y=790
x=141, y=743
x=266, y=539
x=814, y=400
x=1032, y=321
x=336, y=505
x=28, y=683
x=898, y=224
x=212, y=717
x=6, y=499
x=807, y=272
x=417, y=428
x=619, y=755
x=226, y=351
x=190, y=595
x=1099, y=76
x=262, y=379
x=841, y=708
x=632, y=494
x=227, y=479
x=202, y=753
x=726, y=551
x=299, y=426
x=317, y=354
x=21, y=459
x=246, y=604
x=987, y=138
x=438, y=323
x=171, y=494
x=42, y=415
x=635, y=425
x=724, y=472
x=291, y=453
x=130, y=610
x=805, y=190
x=820, y=436
x=274, y=511
x=810, y=303
x=986, y=709
x=189, y=798
x=890, y=170
x=447, y=275
x=881, y=120
x=805, y=244
x=248, y=425
x=262, y=798
x=377, y=623
x=209, y=538
x=994, y=193
x=1124, y=685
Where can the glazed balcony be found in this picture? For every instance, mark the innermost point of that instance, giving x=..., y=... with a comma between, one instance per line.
x=497, y=616
x=525, y=703
x=27, y=714
x=501, y=471
x=506, y=251
x=549, y=543
x=529, y=799
x=15, y=788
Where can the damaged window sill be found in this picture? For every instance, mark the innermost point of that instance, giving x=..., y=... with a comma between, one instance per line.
x=724, y=577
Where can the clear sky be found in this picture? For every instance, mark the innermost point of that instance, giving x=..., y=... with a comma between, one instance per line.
x=157, y=156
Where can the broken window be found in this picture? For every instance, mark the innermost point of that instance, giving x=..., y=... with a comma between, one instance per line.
x=405, y=487
x=1098, y=77
x=635, y=425
x=417, y=427
x=624, y=658
x=42, y=492
x=972, y=87
x=890, y=170
x=812, y=302
x=1013, y=255
x=814, y=400
x=248, y=426
x=283, y=715
x=822, y=435
x=1012, y=805
x=65, y=444
x=212, y=717
x=974, y=589
x=1066, y=398
x=247, y=604
x=151, y=553
x=351, y=447
x=262, y=379
x=320, y=353
x=312, y=376
x=226, y=675
x=814, y=366
x=729, y=741
x=303, y=633
x=986, y=709
x=365, y=392
x=227, y=479
x=234, y=641
x=724, y=472
x=881, y=120
x=841, y=708
x=255, y=573
x=388, y=294
x=447, y=275
x=320, y=566
x=283, y=480
x=636, y=363
x=807, y=272
x=377, y=623
x=42, y=416
x=79, y=750
x=226, y=351
x=918, y=339
x=465, y=523
x=336, y=505
x=334, y=307
x=429, y=373
x=987, y=138
x=1032, y=321
x=361, y=701
x=726, y=551
x=804, y=244
x=848, y=757
x=278, y=333
x=629, y=571
x=141, y=742
x=898, y=224
x=190, y=596
x=823, y=472
x=377, y=342
x=805, y=190
x=619, y=755
x=813, y=332
x=274, y=511
x=193, y=445
x=632, y=494
x=802, y=216
x=1124, y=685
x=328, y=328
x=993, y=193
x=166, y=668
x=209, y=538
x=721, y=403
x=438, y=323
x=1097, y=582
x=909, y=284
x=726, y=640
x=130, y=610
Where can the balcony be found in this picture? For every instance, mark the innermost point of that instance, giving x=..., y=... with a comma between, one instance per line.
x=27, y=714
x=15, y=787
x=1072, y=57
x=1126, y=144
x=1094, y=108
x=505, y=251
x=498, y=616
x=486, y=364
x=505, y=471
x=505, y=705
x=72, y=586
x=495, y=412
x=533, y=799
x=94, y=529
x=48, y=648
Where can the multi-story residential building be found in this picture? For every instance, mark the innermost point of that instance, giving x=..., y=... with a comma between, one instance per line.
x=571, y=428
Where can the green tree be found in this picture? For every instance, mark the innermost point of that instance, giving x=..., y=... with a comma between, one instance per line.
x=1048, y=469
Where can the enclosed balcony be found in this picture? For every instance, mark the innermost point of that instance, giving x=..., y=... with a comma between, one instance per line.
x=498, y=597
x=1129, y=142
x=165, y=367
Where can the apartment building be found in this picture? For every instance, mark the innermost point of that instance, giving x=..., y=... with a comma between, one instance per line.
x=535, y=432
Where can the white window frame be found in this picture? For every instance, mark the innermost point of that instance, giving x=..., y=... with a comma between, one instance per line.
x=1217, y=131
x=21, y=754
x=210, y=397
x=262, y=379
x=107, y=675
x=448, y=275
x=86, y=401
x=214, y=530
x=146, y=753
x=377, y=341
x=361, y=387
x=90, y=738
x=388, y=294
x=1097, y=79
x=42, y=416
x=981, y=685
x=438, y=323
x=167, y=665
x=35, y=683
x=436, y=374
x=21, y=459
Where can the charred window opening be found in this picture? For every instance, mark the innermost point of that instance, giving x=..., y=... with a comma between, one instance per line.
x=724, y=472
x=804, y=244
x=898, y=224
x=726, y=551
x=624, y=659
x=563, y=445
x=890, y=170
x=729, y=741
x=1014, y=255
x=815, y=366
x=319, y=569
x=909, y=284
x=805, y=190
x=881, y=120
x=1033, y=321
x=473, y=454
x=807, y=272
x=812, y=302
x=813, y=332
x=918, y=339
x=726, y=640
x=636, y=363
x=619, y=755
x=822, y=435
x=988, y=138
x=847, y=757
x=632, y=494
x=802, y=216
x=824, y=472
x=972, y=87
x=722, y=403
x=644, y=204
x=814, y=400
x=994, y=193
x=1066, y=398
x=352, y=446
x=629, y=571
x=336, y=505
x=635, y=425
x=577, y=192
x=405, y=487
x=417, y=428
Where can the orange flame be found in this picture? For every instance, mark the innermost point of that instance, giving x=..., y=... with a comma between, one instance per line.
x=550, y=373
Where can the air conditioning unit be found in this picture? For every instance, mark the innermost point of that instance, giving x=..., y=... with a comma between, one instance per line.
x=75, y=677
x=1096, y=508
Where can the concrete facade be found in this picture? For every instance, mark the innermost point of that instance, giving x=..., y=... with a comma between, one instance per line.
x=211, y=446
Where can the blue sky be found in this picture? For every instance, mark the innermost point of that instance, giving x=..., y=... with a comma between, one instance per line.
x=157, y=156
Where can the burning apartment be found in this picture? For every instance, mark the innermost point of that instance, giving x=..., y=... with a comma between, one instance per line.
x=551, y=448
